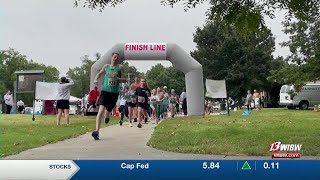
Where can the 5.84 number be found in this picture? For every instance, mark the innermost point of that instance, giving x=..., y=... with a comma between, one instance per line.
x=211, y=165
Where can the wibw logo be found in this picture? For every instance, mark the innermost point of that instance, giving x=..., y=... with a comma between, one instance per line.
x=278, y=146
x=280, y=150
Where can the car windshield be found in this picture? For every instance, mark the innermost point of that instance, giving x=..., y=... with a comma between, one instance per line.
x=286, y=89
x=283, y=89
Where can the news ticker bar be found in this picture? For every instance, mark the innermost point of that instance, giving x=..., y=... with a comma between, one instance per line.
x=160, y=169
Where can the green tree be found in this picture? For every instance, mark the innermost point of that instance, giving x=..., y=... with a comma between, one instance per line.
x=243, y=62
x=159, y=76
x=81, y=76
x=302, y=23
x=131, y=72
x=248, y=14
x=12, y=61
x=303, y=64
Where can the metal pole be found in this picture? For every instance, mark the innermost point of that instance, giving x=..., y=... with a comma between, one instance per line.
x=15, y=89
x=43, y=110
x=34, y=99
x=83, y=105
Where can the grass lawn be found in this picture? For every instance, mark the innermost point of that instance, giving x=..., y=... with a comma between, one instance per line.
x=240, y=135
x=19, y=132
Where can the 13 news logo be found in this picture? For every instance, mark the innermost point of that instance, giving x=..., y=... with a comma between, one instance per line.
x=280, y=150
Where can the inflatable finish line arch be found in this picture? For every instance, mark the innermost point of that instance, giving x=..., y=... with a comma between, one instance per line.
x=162, y=51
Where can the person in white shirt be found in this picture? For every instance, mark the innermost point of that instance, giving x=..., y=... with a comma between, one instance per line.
x=122, y=101
x=63, y=104
x=8, y=99
x=20, y=107
x=183, y=100
x=132, y=104
x=153, y=99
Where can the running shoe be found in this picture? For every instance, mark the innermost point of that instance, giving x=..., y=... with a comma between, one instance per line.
x=145, y=120
x=131, y=125
x=95, y=135
x=139, y=125
x=106, y=120
x=120, y=122
x=135, y=120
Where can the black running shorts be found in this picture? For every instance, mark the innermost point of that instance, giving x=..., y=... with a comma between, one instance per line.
x=132, y=104
x=143, y=105
x=108, y=100
x=63, y=104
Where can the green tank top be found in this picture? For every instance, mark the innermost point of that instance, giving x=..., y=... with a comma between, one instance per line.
x=166, y=101
x=109, y=84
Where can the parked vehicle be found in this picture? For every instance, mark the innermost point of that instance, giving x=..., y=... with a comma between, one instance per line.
x=308, y=96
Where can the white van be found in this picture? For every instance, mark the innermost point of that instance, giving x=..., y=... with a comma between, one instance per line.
x=307, y=97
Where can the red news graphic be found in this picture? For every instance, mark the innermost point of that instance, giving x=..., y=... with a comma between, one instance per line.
x=280, y=150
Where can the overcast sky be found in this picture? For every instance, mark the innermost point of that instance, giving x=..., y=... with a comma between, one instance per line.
x=55, y=33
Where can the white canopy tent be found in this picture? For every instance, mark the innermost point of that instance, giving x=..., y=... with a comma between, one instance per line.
x=74, y=99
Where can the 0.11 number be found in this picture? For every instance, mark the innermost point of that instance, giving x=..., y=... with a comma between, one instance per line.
x=271, y=166
x=211, y=165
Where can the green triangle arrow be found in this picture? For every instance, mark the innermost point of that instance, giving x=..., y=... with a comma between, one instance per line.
x=246, y=166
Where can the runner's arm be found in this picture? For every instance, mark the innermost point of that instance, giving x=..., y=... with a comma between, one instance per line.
x=100, y=73
x=123, y=77
x=69, y=83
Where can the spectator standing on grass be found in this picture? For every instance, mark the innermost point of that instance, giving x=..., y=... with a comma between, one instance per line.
x=93, y=98
x=256, y=98
x=236, y=103
x=231, y=102
x=63, y=104
x=262, y=100
x=8, y=99
x=249, y=100
x=183, y=99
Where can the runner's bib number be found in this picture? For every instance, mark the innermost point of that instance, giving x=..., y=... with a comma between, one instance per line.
x=141, y=99
x=111, y=82
x=133, y=100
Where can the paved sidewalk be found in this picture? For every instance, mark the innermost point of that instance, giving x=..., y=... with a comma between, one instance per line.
x=117, y=143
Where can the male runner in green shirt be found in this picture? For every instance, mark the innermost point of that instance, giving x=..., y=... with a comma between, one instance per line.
x=113, y=75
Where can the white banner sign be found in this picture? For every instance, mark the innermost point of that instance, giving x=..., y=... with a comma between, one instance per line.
x=216, y=88
x=46, y=91
x=145, y=51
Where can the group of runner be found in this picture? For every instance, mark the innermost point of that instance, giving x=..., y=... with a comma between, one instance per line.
x=141, y=101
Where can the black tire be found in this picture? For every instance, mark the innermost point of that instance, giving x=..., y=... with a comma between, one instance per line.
x=304, y=105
